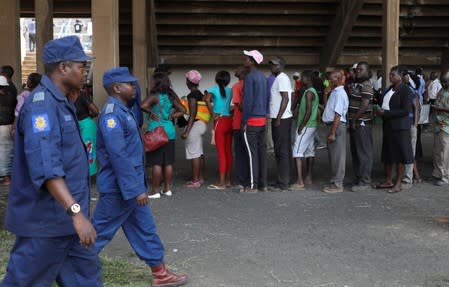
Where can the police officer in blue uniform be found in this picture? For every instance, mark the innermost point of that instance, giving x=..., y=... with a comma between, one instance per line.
x=48, y=206
x=121, y=182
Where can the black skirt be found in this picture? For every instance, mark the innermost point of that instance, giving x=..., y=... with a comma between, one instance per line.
x=396, y=145
x=165, y=155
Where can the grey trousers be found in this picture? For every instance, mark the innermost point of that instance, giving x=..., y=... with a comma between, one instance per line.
x=362, y=154
x=337, y=155
x=408, y=174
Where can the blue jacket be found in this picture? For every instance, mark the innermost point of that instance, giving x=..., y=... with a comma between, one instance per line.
x=47, y=145
x=120, y=152
x=255, y=96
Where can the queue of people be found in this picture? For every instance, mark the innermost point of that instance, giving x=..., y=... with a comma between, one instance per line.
x=347, y=102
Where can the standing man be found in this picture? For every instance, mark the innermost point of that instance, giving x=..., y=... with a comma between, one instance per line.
x=360, y=115
x=48, y=206
x=121, y=181
x=441, y=146
x=32, y=34
x=334, y=116
x=304, y=146
x=254, y=121
x=281, y=122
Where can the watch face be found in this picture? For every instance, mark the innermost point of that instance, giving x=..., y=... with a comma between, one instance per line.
x=75, y=208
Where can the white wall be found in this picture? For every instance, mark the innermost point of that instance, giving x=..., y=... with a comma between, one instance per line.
x=177, y=77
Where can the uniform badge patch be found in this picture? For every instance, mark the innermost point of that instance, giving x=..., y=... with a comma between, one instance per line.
x=40, y=123
x=111, y=123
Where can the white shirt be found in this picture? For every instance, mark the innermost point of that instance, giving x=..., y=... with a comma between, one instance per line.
x=433, y=89
x=280, y=84
x=338, y=102
x=377, y=85
x=386, y=100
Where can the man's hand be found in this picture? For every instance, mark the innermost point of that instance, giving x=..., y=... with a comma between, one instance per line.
x=184, y=135
x=142, y=199
x=277, y=122
x=300, y=128
x=84, y=229
x=331, y=138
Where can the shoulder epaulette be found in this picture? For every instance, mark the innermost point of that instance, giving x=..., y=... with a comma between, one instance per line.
x=38, y=97
x=109, y=108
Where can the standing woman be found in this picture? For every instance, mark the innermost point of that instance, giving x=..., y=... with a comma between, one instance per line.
x=218, y=100
x=396, y=145
x=162, y=108
x=86, y=111
x=195, y=129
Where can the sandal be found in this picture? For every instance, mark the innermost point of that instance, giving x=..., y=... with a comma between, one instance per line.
x=193, y=184
x=216, y=187
x=417, y=180
x=297, y=186
x=383, y=185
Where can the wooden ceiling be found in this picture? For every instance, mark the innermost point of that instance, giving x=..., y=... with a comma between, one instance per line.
x=214, y=32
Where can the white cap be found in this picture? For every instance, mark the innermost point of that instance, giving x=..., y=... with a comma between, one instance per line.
x=296, y=74
x=3, y=81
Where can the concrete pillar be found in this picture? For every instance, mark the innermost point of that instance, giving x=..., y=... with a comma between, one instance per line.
x=140, y=43
x=10, y=28
x=153, y=51
x=105, y=43
x=390, y=52
x=43, y=10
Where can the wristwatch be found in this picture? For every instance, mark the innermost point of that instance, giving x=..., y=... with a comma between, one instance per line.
x=74, y=209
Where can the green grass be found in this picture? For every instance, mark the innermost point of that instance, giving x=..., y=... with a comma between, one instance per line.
x=117, y=272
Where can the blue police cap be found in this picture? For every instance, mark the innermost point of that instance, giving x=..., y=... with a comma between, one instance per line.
x=117, y=75
x=65, y=49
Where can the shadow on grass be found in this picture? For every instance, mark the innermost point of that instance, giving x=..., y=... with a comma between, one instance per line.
x=117, y=272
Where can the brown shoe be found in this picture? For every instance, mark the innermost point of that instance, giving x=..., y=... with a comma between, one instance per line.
x=332, y=188
x=164, y=278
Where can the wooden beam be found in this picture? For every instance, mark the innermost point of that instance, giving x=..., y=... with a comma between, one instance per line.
x=245, y=20
x=230, y=31
x=390, y=52
x=340, y=29
x=44, y=29
x=140, y=42
x=153, y=50
x=219, y=41
x=249, y=7
x=11, y=49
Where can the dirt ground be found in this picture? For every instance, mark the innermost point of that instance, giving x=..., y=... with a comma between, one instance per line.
x=307, y=238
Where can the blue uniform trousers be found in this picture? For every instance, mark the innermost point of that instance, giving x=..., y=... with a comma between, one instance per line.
x=137, y=222
x=38, y=262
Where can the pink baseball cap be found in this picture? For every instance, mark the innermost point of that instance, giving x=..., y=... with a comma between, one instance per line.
x=256, y=55
x=194, y=76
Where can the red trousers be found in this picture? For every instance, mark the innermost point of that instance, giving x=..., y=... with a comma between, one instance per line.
x=223, y=142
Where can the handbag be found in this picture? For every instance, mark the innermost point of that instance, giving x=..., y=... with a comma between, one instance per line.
x=154, y=139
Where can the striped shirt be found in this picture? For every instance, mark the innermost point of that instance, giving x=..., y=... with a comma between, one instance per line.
x=361, y=91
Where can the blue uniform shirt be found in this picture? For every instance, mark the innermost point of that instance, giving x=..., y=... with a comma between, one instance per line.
x=120, y=151
x=47, y=145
